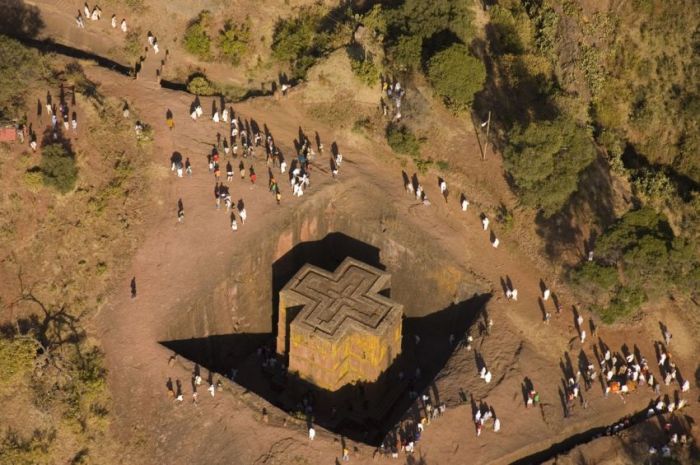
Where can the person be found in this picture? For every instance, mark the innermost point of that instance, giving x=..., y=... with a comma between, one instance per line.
x=465, y=204
x=514, y=294
x=234, y=225
x=278, y=196
x=283, y=166
x=546, y=294
x=583, y=336
x=253, y=176
x=123, y=26
x=443, y=187
x=312, y=433
x=485, y=222
x=496, y=425
x=181, y=215
x=114, y=21
x=170, y=122
x=81, y=24
x=188, y=166
x=495, y=242
x=32, y=141
x=667, y=337
x=86, y=9
x=96, y=13
x=487, y=377
x=74, y=122
x=155, y=46
x=243, y=214
x=346, y=454
x=229, y=171
x=241, y=168
x=216, y=116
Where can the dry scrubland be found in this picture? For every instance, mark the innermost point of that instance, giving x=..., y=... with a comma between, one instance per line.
x=595, y=114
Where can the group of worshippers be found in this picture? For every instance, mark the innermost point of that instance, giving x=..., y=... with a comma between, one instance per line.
x=95, y=14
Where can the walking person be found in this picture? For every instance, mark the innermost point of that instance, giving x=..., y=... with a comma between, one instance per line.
x=229, y=171
x=188, y=166
x=180, y=211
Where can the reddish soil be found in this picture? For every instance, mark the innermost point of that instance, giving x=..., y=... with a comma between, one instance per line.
x=175, y=258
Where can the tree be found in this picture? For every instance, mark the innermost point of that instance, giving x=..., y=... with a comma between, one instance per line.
x=196, y=40
x=545, y=159
x=20, y=66
x=233, y=41
x=58, y=168
x=456, y=76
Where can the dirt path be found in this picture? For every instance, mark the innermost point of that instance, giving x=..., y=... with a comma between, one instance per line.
x=175, y=258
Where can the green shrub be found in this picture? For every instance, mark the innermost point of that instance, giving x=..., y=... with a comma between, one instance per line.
x=406, y=53
x=198, y=84
x=592, y=274
x=233, y=41
x=58, y=168
x=402, y=140
x=16, y=358
x=456, y=76
x=626, y=301
x=365, y=70
x=545, y=159
x=300, y=41
x=196, y=40
x=20, y=66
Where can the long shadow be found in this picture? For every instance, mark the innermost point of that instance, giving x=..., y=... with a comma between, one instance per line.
x=365, y=411
x=561, y=230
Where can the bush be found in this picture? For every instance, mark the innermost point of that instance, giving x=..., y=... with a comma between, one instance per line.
x=407, y=52
x=402, y=140
x=300, y=41
x=58, y=168
x=198, y=84
x=233, y=41
x=16, y=358
x=545, y=159
x=196, y=40
x=20, y=66
x=365, y=70
x=456, y=76
x=627, y=300
x=592, y=274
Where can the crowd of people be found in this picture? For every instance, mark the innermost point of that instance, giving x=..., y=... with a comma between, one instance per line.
x=95, y=14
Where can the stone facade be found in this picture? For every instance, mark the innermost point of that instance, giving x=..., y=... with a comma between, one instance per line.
x=336, y=328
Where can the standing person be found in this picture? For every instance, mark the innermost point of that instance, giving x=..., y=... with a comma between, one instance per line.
x=217, y=191
x=123, y=26
x=443, y=188
x=74, y=122
x=114, y=21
